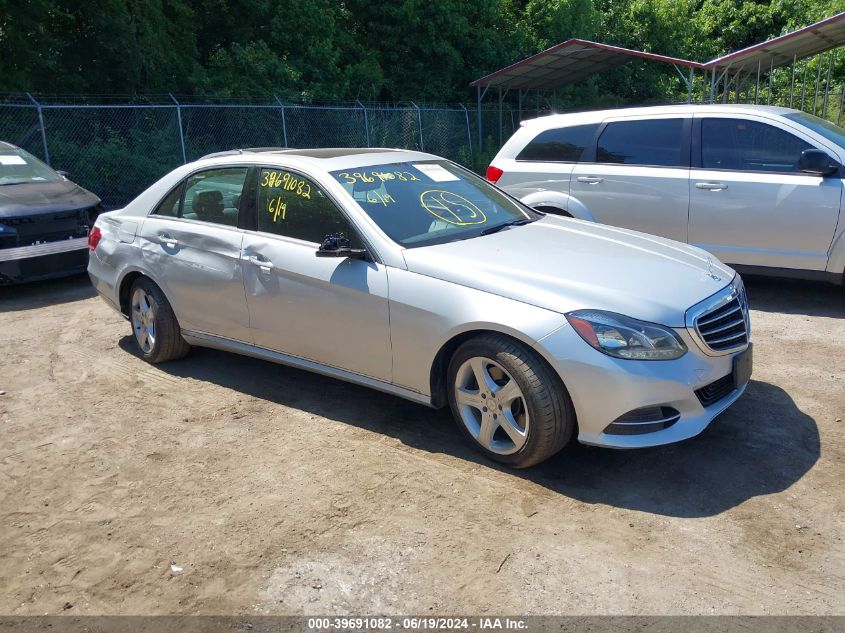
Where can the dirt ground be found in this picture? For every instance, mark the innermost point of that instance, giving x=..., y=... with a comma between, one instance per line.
x=281, y=492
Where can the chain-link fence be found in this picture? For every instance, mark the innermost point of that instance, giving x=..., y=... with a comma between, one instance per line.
x=117, y=151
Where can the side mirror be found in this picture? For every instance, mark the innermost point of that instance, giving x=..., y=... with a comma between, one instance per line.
x=337, y=245
x=817, y=162
x=63, y=173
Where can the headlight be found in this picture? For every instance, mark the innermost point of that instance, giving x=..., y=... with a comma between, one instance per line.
x=623, y=337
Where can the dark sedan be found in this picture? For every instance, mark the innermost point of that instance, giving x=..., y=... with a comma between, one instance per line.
x=44, y=219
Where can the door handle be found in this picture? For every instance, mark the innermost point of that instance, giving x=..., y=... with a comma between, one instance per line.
x=169, y=241
x=712, y=186
x=590, y=180
x=263, y=263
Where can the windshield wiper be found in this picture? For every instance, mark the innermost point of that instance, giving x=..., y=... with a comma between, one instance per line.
x=499, y=227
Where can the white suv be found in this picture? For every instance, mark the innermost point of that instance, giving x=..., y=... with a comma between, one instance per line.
x=759, y=187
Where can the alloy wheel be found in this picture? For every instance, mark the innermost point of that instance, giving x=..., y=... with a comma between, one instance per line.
x=491, y=405
x=143, y=320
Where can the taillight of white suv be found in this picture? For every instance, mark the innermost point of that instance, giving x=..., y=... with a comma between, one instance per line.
x=493, y=174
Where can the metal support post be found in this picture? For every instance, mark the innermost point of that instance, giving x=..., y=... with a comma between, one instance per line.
x=827, y=84
x=771, y=72
x=478, y=115
x=366, y=122
x=712, y=85
x=469, y=131
x=691, y=84
x=804, y=85
x=500, y=116
x=419, y=120
x=181, y=133
x=841, y=103
x=792, y=81
x=41, y=125
x=284, y=123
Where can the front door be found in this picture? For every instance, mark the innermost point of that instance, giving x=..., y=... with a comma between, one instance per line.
x=750, y=205
x=193, y=241
x=333, y=311
x=638, y=177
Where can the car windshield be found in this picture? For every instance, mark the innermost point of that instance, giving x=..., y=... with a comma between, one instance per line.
x=830, y=131
x=427, y=202
x=18, y=166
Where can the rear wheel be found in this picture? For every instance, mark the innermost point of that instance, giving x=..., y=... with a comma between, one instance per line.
x=508, y=402
x=156, y=330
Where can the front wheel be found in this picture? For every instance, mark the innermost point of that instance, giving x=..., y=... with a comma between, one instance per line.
x=154, y=325
x=508, y=402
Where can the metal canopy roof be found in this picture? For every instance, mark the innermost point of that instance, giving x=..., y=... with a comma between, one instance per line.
x=567, y=63
x=780, y=51
x=575, y=59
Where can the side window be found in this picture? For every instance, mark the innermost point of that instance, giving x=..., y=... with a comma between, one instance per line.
x=648, y=142
x=169, y=207
x=742, y=145
x=293, y=206
x=560, y=145
x=214, y=195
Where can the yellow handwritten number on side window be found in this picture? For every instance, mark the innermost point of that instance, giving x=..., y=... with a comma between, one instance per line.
x=277, y=208
x=288, y=182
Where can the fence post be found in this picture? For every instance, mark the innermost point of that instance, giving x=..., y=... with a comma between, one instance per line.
x=469, y=131
x=366, y=121
x=284, y=123
x=181, y=133
x=419, y=120
x=41, y=125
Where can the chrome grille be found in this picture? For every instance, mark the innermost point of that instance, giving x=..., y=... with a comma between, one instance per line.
x=721, y=322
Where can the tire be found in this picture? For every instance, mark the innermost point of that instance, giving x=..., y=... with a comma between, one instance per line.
x=526, y=428
x=154, y=326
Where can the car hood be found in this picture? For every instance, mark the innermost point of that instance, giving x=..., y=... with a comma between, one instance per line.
x=564, y=264
x=33, y=198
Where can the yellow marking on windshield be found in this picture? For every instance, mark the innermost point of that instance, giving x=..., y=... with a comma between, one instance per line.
x=373, y=175
x=375, y=197
x=451, y=208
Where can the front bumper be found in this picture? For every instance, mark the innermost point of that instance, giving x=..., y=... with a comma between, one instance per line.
x=43, y=261
x=603, y=388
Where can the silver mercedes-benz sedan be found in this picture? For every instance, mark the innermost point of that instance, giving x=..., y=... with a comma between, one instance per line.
x=404, y=272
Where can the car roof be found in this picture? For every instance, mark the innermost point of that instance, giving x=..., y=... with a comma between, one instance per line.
x=5, y=145
x=592, y=116
x=325, y=158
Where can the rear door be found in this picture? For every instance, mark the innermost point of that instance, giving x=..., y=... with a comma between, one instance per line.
x=329, y=310
x=637, y=175
x=749, y=203
x=193, y=243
